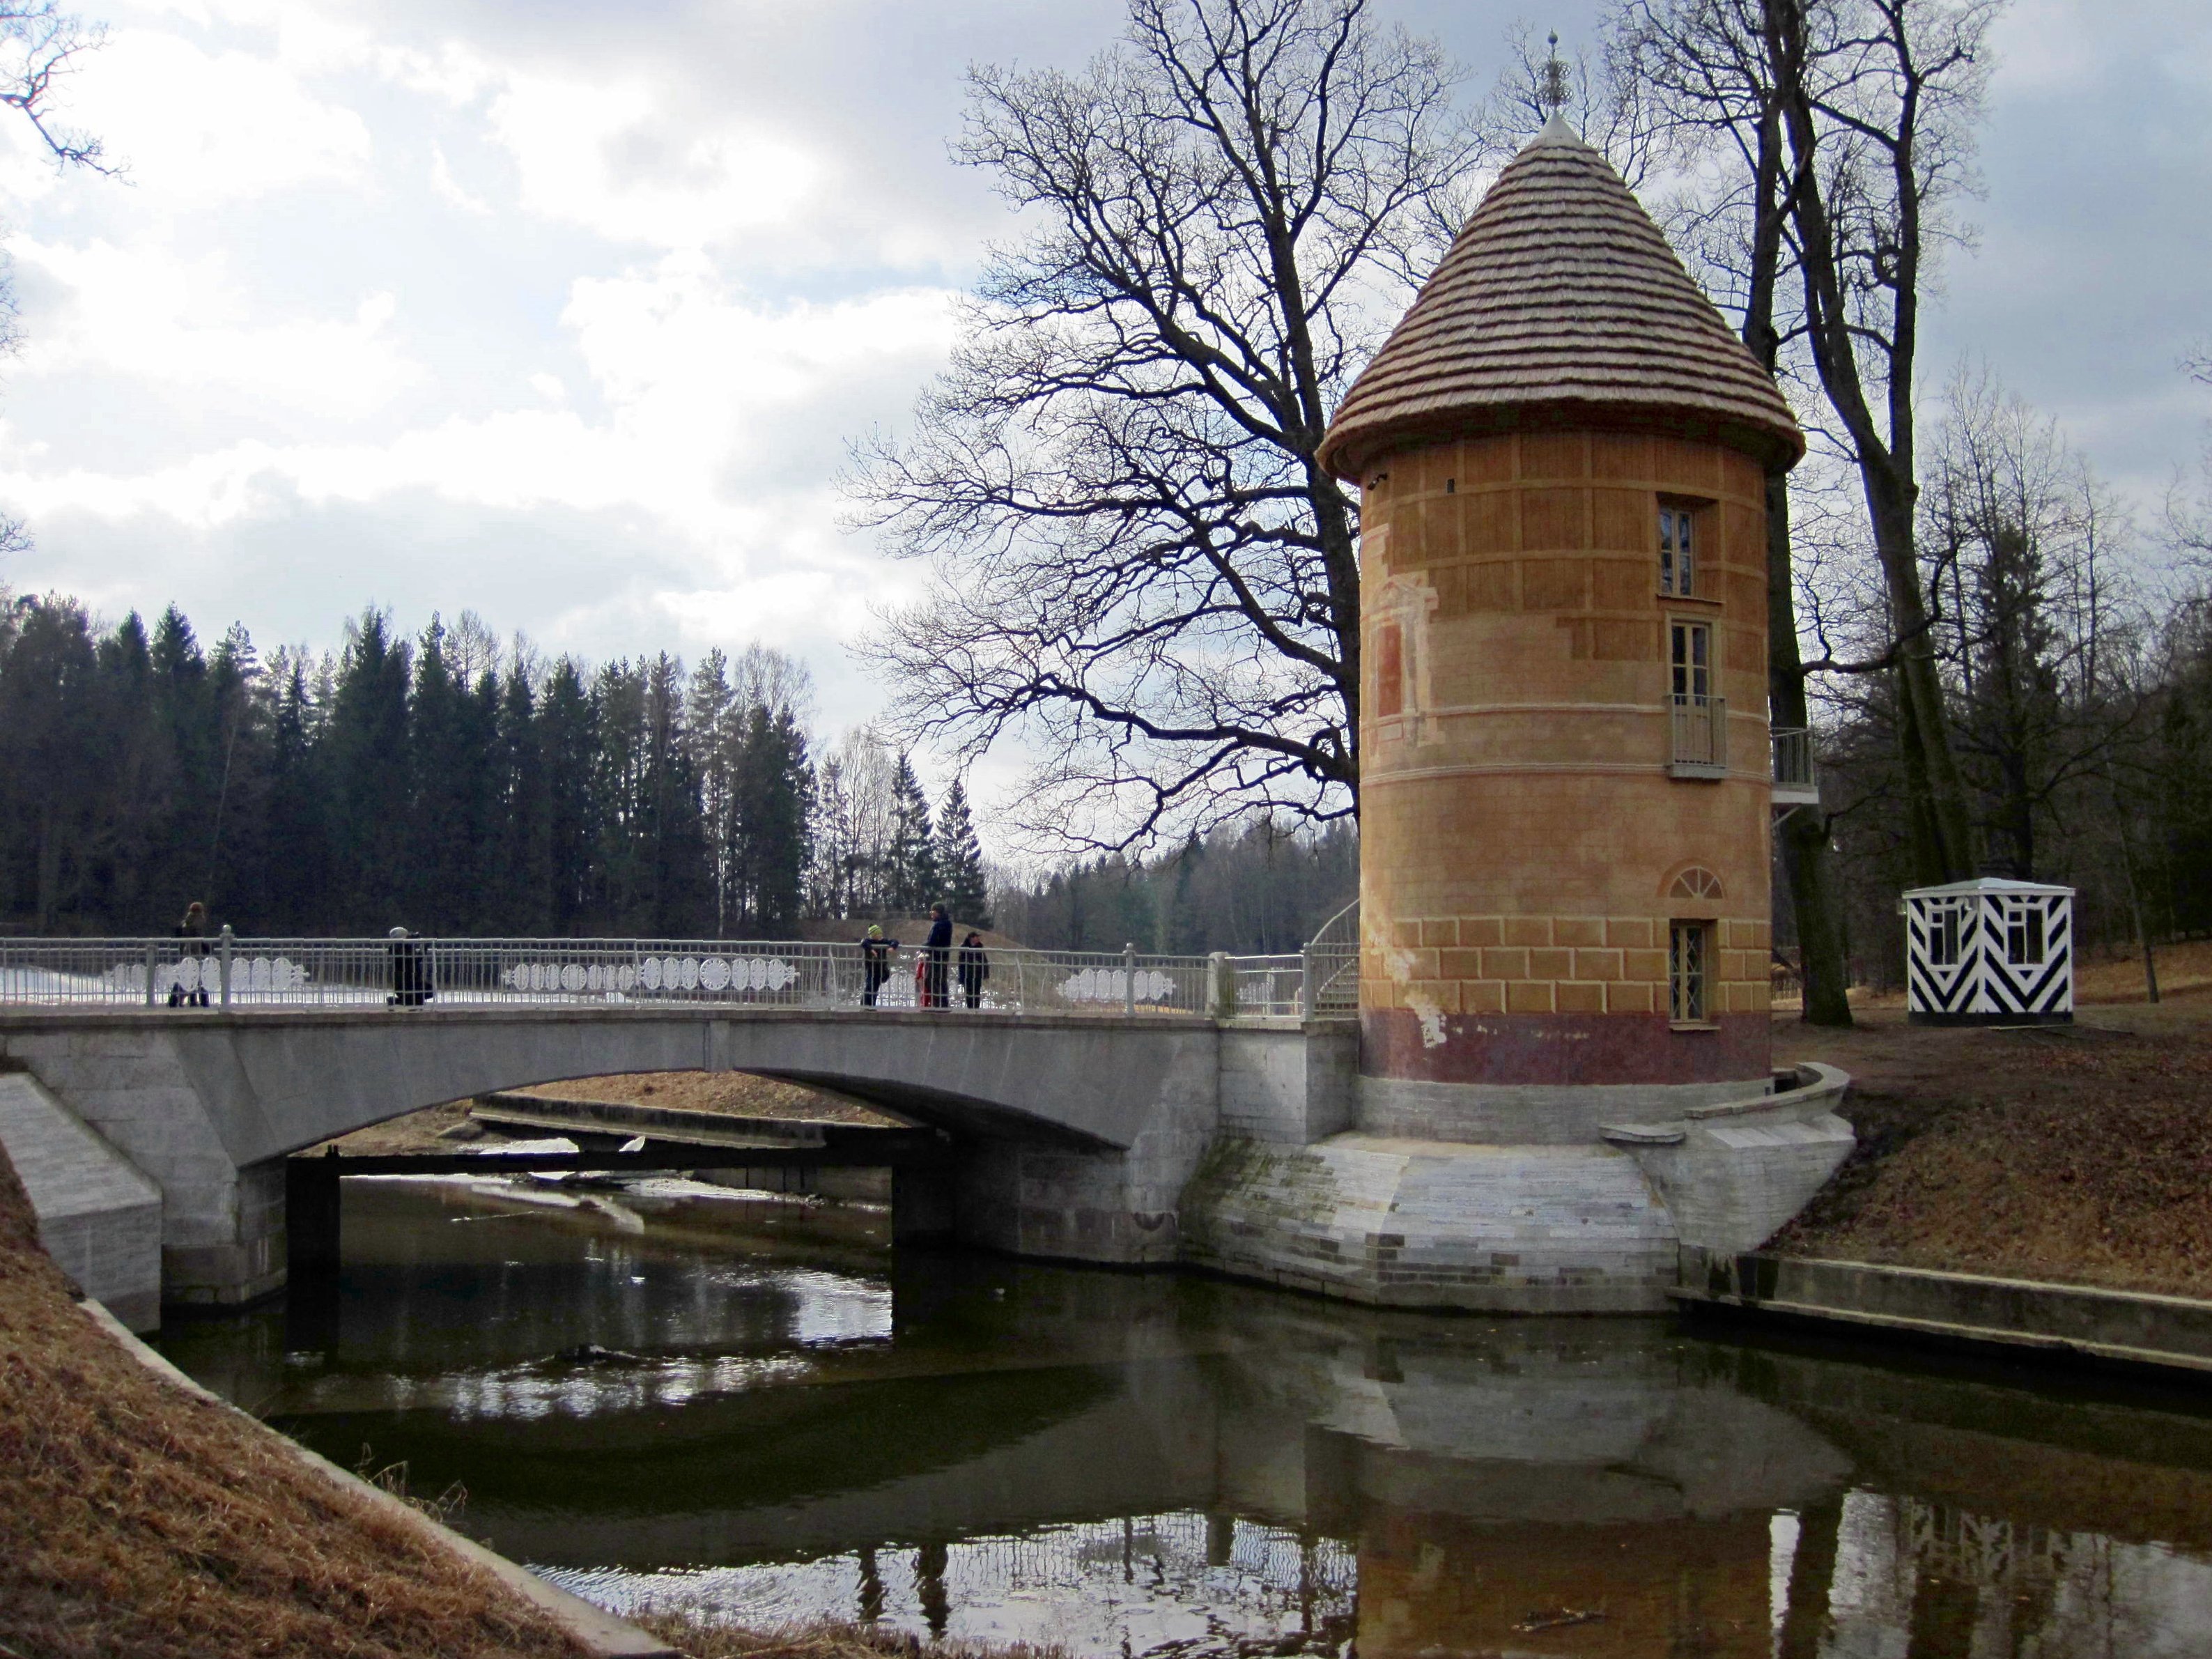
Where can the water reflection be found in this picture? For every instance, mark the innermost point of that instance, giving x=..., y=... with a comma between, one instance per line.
x=760, y=1413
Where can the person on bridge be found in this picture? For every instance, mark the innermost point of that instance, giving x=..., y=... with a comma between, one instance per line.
x=941, y=957
x=190, y=985
x=411, y=971
x=975, y=968
x=875, y=964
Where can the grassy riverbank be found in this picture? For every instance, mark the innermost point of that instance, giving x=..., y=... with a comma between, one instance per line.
x=136, y=1519
x=2077, y=1154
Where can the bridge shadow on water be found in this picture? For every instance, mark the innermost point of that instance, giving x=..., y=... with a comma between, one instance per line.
x=760, y=1408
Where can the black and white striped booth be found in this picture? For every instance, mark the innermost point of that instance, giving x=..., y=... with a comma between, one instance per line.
x=1989, y=952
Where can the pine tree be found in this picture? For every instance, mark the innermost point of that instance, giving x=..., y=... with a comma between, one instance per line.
x=960, y=860
x=297, y=886
x=368, y=742
x=522, y=884
x=771, y=787
x=678, y=883
x=181, y=808
x=238, y=853
x=911, y=882
x=440, y=849
x=568, y=743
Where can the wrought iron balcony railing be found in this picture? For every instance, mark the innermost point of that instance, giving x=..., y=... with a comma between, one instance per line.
x=1795, y=782
x=1700, y=737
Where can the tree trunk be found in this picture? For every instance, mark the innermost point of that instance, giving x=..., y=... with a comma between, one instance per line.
x=1807, y=860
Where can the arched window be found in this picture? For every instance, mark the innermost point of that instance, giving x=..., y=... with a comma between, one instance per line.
x=1695, y=882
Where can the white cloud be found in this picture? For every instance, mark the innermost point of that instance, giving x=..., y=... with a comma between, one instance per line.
x=148, y=314
x=702, y=388
x=616, y=159
x=199, y=128
x=448, y=188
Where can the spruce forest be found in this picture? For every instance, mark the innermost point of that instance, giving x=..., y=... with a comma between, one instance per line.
x=439, y=783
x=454, y=785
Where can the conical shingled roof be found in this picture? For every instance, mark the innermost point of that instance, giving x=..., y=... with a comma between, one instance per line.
x=1559, y=303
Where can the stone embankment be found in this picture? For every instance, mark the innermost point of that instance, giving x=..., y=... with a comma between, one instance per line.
x=2045, y=1191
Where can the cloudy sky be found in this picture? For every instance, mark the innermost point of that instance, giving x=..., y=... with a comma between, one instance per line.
x=565, y=312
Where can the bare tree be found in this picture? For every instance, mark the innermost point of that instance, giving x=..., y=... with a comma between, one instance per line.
x=2031, y=617
x=1138, y=571
x=1878, y=101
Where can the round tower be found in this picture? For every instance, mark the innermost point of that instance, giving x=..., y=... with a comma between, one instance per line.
x=1565, y=762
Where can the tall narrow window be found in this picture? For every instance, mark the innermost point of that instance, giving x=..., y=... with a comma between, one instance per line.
x=1688, y=956
x=1389, y=670
x=1693, y=660
x=1678, y=555
x=1943, y=934
x=2024, y=935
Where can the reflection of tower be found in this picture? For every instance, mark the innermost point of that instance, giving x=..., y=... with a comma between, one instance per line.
x=1561, y=451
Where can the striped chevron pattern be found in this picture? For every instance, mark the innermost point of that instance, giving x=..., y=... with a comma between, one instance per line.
x=1986, y=952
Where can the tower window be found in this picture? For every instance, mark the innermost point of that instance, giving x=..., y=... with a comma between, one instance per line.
x=1678, y=552
x=1692, y=651
x=1689, y=954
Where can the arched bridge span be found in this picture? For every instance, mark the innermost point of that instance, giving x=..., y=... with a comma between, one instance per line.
x=1073, y=1136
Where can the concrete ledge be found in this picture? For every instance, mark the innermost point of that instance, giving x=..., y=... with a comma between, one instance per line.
x=2128, y=1328
x=594, y=1630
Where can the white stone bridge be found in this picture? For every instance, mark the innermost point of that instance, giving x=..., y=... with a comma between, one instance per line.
x=1070, y=1136
x=1113, y=1109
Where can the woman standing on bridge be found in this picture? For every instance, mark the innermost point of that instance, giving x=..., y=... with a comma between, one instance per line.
x=975, y=968
x=939, y=958
x=875, y=964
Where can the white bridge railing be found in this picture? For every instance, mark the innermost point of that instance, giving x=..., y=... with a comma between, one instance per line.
x=225, y=971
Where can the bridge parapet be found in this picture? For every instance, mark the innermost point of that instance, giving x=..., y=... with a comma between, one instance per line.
x=709, y=976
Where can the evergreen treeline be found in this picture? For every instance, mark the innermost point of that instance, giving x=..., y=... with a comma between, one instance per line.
x=438, y=783
x=1257, y=889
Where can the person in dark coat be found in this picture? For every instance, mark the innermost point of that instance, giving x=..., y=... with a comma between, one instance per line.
x=411, y=971
x=941, y=957
x=192, y=930
x=875, y=964
x=975, y=968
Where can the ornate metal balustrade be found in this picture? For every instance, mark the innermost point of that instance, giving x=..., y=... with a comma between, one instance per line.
x=241, y=973
x=1795, y=782
x=1700, y=737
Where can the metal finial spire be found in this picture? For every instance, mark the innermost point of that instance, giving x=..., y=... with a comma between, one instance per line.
x=1552, y=93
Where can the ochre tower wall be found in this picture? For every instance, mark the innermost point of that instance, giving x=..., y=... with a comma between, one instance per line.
x=1528, y=836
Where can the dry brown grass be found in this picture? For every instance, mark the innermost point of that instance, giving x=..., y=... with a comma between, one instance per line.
x=739, y=1093
x=136, y=1519
x=825, y=1639
x=2077, y=1154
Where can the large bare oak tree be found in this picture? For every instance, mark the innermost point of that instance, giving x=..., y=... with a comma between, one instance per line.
x=1138, y=576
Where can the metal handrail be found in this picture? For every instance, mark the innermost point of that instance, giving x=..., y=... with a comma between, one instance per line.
x=277, y=974
x=1794, y=770
x=1699, y=726
x=240, y=973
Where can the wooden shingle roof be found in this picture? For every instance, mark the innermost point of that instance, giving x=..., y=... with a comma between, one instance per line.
x=1559, y=303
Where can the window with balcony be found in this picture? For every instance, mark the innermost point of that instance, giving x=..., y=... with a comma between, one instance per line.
x=1700, y=717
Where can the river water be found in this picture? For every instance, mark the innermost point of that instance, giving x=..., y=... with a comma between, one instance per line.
x=751, y=1408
